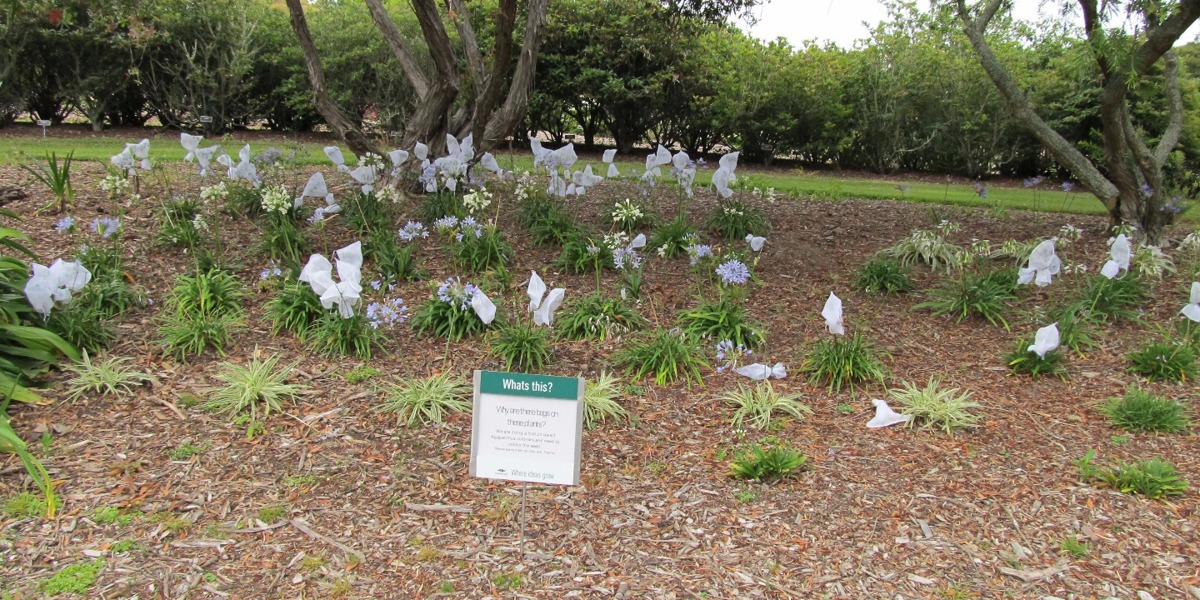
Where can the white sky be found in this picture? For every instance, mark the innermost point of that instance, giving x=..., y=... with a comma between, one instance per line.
x=844, y=21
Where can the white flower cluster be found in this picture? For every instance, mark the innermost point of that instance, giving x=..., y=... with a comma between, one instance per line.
x=387, y=194
x=1069, y=233
x=214, y=192
x=1191, y=242
x=626, y=212
x=275, y=199
x=114, y=185
x=613, y=241
x=476, y=202
x=733, y=211
x=1150, y=261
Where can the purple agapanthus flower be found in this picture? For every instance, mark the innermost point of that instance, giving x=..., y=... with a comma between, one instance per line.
x=387, y=313
x=624, y=258
x=272, y=270
x=454, y=291
x=699, y=251
x=733, y=272
x=106, y=226
x=65, y=224
x=412, y=230
x=980, y=189
x=1033, y=181
x=1067, y=186
x=1147, y=191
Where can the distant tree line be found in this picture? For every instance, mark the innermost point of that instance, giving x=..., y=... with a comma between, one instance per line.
x=912, y=97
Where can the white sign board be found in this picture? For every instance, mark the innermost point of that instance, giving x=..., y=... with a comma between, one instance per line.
x=206, y=119
x=527, y=427
x=43, y=123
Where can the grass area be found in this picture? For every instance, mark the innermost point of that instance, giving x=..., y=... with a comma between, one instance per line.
x=798, y=183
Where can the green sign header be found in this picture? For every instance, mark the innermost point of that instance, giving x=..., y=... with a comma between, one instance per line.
x=532, y=386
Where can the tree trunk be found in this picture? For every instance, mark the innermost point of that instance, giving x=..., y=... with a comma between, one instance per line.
x=345, y=129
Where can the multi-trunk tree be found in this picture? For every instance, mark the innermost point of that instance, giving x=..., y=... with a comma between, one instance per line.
x=1128, y=178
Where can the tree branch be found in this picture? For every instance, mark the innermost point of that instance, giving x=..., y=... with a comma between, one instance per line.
x=493, y=86
x=462, y=20
x=1174, y=130
x=333, y=115
x=504, y=120
x=400, y=48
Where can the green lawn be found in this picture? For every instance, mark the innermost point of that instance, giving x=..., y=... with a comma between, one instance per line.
x=165, y=147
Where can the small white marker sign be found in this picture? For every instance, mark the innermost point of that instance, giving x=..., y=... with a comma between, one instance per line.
x=205, y=119
x=43, y=123
x=527, y=427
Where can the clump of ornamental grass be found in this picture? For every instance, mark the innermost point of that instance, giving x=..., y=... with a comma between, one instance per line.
x=258, y=386
x=1076, y=326
x=600, y=400
x=769, y=463
x=449, y=313
x=479, y=248
x=667, y=356
x=584, y=253
x=935, y=407
x=178, y=223
x=522, y=347
x=1023, y=361
x=335, y=335
x=972, y=294
x=1113, y=299
x=108, y=377
x=732, y=219
x=83, y=323
x=1142, y=411
x=295, y=309
x=546, y=219
x=202, y=312
x=883, y=276
x=597, y=317
x=843, y=361
x=1155, y=478
x=426, y=400
x=1161, y=361
x=928, y=248
x=722, y=319
x=393, y=261
x=758, y=403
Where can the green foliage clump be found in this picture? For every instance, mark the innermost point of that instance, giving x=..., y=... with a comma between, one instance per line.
x=934, y=407
x=441, y=204
x=598, y=317
x=523, y=347
x=582, y=253
x=667, y=356
x=732, y=219
x=843, y=361
x=73, y=579
x=251, y=386
x=546, y=219
x=1023, y=361
x=427, y=400
x=983, y=295
x=1155, y=479
x=109, y=377
x=884, y=276
x=369, y=214
x=243, y=199
x=29, y=506
x=360, y=374
x=335, y=336
x=673, y=237
x=600, y=400
x=928, y=248
x=1159, y=361
x=56, y=177
x=295, y=308
x=202, y=312
x=1075, y=328
x=393, y=261
x=1119, y=298
x=1139, y=411
x=722, y=319
x=177, y=224
x=758, y=463
x=83, y=323
x=756, y=404
x=481, y=251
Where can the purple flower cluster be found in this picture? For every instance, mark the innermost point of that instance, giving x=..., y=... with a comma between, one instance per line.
x=699, y=251
x=1147, y=191
x=980, y=189
x=454, y=291
x=272, y=270
x=106, y=226
x=733, y=272
x=1067, y=186
x=468, y=225
x=412, y=230
x=65, y=224
x=1033, y=181
x=626, y=258
x=730, y=353
x=387, y=313
x=446, y=223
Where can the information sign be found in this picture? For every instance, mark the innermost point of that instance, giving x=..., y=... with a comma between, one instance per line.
x=527, y=427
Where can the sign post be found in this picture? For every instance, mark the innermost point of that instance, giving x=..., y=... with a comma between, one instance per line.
x=527, y=428
x=43, y=123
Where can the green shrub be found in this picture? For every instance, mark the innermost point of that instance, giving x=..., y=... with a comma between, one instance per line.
x=935, y=408
x=597, y=317
x=1112, y=299
x=600, y=400
x=673, y=237
x=721, y=319
x=928, y=248
x=884, y=276
x=843, y=361
x=1075, y=328
x=756, y=404
x=107, y=296
x=393, y=261
x=295, y=308
x=249, y=387
x=243, y=199
x=1156, y=478
x=547, y=220
x=733, y=219
x=184, y=335
x=441, y=204
x=1023, y=361
x=983, y=295
x=1139, y=410
x=56, y=177
x=1159, y=361
x=202, y=312
x=74, y=579
x=667, y=356
x=83, y=324
x=523, y=347
x=767, y=464
x=427, y=400
x=110, y=377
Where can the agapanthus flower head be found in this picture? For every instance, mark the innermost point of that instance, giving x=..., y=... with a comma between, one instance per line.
x=272, y=270
x=1146, y=190
x=730, y=354
x=387, y=313
x=65, y=224
x=446, y=223
x=1067, y=186
x=214, y=192
x=696, y=252
x=412, y=230
x=1033, y=181
x=106, y=226
x=626, y=258
x=980, y=189
x=454, y=292
x=275, y=199
x=733, y=272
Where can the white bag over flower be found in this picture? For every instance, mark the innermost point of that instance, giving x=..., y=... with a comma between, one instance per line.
x=1045, y=340
x=55, y=284
x=833, y=315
